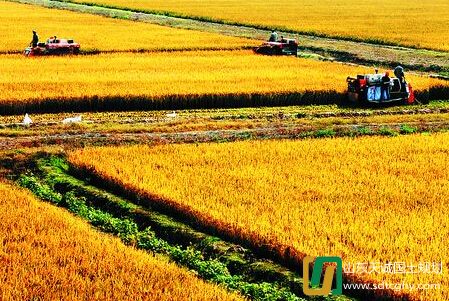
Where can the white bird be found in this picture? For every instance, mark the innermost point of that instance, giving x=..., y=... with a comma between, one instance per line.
x=171, y=115
x=72, y=120
x=27, y=120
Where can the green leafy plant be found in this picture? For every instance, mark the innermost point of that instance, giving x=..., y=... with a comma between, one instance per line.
x=406, y=129
x=325, y=133
x=386, y=131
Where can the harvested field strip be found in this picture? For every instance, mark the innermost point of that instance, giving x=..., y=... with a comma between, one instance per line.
x=353, y=20
x=299, y=123
x=73, y=138
x=96, y=33
x=49, y=254
x=213, y=259
x=343, y=197
x=176, y=80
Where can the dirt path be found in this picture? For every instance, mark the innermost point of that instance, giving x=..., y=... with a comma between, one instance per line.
x=340, y=50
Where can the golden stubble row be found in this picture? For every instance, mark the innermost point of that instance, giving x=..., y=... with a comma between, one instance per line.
x=413, y=23
x=373, y=199
x=48, y=254
x=158, y=75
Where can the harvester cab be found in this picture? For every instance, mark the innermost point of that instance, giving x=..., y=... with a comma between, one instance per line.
x=281, y=47
x=376, y=88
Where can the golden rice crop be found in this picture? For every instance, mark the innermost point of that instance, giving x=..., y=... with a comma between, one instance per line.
x=414, y=23
x=163, y=75
x=96, y=32
x=372, y=199
x=47, y=254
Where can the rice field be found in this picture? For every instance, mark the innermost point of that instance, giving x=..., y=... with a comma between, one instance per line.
x=112, y=81
x=366, y=199
x=421, y=24
x=100, y=33
x=48, y=254
x=372, y=199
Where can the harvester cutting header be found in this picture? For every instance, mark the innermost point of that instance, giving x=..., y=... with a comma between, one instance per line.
x=53, y=46
x=380, y=88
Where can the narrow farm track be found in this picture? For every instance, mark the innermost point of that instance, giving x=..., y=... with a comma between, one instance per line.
x=336, y=49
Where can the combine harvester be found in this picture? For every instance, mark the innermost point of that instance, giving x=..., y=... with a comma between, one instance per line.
x=281, y=47
x=54, y=46
x=378, y=88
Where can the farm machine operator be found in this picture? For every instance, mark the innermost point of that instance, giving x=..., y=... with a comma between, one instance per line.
x=35, y=39
x=273, y=36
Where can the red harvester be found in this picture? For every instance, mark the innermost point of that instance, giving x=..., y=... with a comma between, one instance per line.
x=54, y=47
